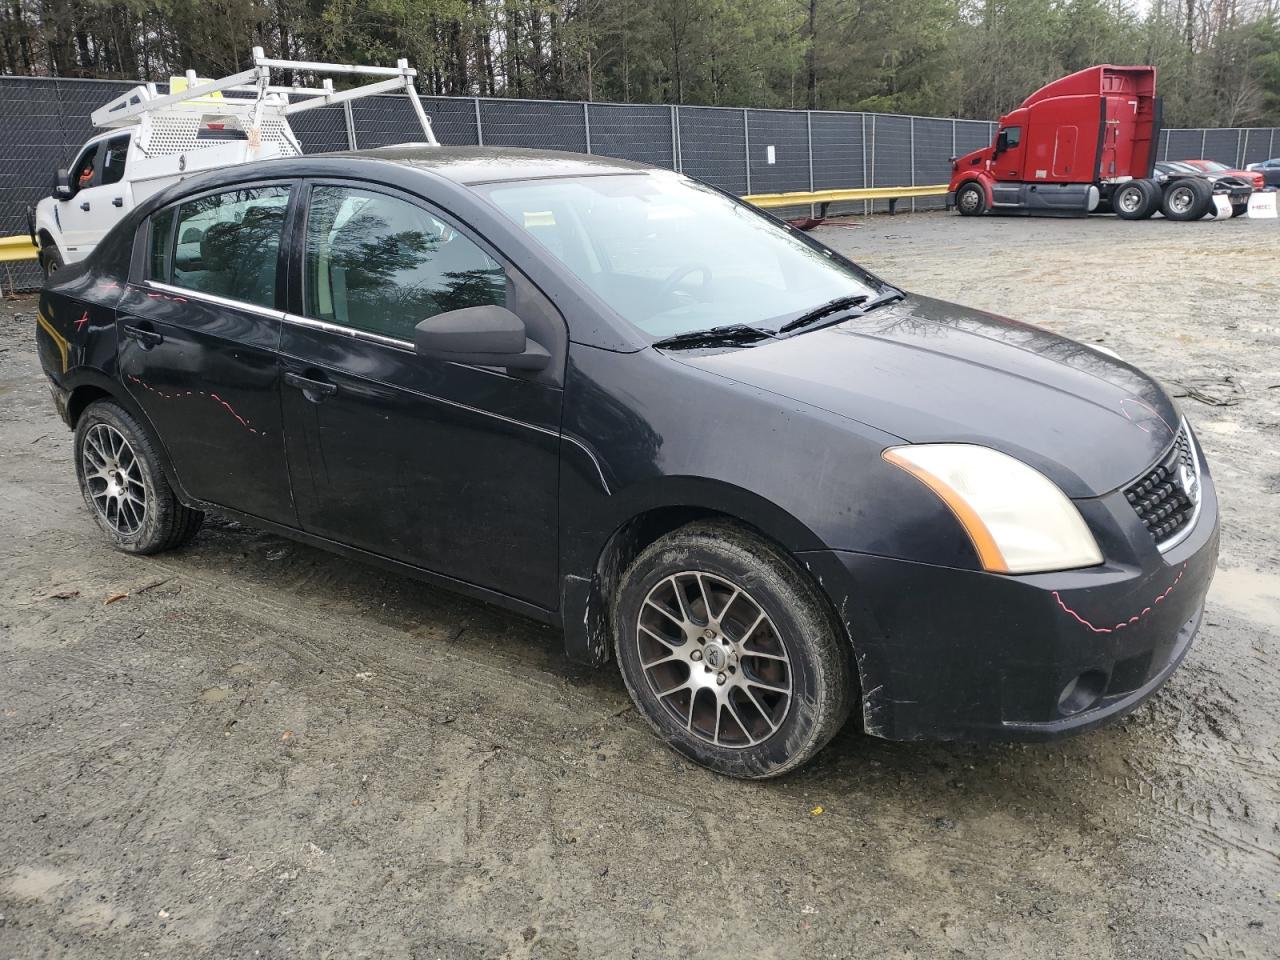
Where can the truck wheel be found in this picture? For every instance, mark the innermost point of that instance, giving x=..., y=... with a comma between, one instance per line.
x=1187, y=199
x=971, y=200
x=50, y=261
x=1136, y=200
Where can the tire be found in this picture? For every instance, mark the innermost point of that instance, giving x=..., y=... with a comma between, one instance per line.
x=744, y=702
x=971, y=199
x=114, y=453
x=1186, y=199
x=50, y=261
x=1136, y=200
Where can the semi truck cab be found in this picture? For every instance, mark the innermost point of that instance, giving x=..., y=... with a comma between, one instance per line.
x=1067, y=147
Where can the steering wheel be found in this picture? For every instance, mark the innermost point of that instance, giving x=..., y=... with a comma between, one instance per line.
x=679, y=273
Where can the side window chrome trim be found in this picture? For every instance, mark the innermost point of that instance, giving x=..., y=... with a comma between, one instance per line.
x=350, y=332
x=214, y=299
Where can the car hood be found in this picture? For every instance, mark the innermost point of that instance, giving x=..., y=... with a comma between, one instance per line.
x=930, y=371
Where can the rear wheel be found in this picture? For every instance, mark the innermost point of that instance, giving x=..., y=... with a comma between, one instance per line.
x=729, y=652
x=971, y=199
x=1186, y=199
x=124, y=486
x=1136, y=200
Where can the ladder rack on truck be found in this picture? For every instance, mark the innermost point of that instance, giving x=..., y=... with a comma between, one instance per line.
x=151, y=140
x=269, y=104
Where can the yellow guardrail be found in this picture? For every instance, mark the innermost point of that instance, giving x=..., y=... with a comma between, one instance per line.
x=13, y=249
x=803, y=198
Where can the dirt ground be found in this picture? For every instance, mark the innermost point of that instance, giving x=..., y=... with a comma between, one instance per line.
x=261, y=750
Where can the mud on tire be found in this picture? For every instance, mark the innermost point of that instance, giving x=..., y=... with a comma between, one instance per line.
x=711, y=624
x=124, y=485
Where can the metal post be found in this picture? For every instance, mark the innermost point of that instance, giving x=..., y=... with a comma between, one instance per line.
x=1204, y=133
x=586, y=123
x=479, y=125
x=865, y=183
x=351, y=125
x=808, y=123
x=675, y=119
x=746, y=146
x=953, y=137
x=1240, y=148
x=675, y=151
x=873, y=159
x=913, y=161
x=1271, y=150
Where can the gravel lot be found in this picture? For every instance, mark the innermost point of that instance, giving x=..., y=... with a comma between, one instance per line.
x=260, y=750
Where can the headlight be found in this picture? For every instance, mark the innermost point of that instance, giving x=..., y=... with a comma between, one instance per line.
x=1018, y=520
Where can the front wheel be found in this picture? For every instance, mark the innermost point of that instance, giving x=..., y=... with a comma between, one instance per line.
x=730, y=653
x=50, y=261
x=971, y=200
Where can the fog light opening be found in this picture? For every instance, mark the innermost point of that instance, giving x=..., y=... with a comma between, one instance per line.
x=1082, y=692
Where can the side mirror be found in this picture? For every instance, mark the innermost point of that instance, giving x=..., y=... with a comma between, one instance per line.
x=62, y=189
x=488, y=336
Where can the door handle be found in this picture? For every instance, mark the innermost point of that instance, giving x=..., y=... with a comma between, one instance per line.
x=118, y=202
x=84, y=205
x=313, y=390
x=146, y=338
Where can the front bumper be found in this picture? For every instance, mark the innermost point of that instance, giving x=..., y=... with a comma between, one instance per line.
x=953, y=654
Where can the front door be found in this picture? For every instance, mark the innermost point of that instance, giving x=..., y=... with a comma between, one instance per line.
x=448, y=467
x=102, y=196
x=197, y=346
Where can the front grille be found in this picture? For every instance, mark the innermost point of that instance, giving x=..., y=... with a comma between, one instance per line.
x=1166, y=498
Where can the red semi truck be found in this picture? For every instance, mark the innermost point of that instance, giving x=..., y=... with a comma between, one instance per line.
x=1084, y=142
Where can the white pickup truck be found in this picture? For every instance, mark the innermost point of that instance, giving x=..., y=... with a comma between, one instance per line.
x=153, y=140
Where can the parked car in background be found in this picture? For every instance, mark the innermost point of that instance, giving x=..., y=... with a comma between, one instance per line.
x=774, y=486
x=1270, y=170
x=1186, y=176
x=1251, y=177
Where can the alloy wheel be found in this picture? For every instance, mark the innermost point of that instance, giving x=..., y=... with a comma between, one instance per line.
x=714, y=659
x=113, y=476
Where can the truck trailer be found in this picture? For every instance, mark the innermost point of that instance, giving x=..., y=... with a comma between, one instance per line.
x=1084, y=143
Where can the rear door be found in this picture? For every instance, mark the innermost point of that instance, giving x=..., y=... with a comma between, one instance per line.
x=449, y=467
x=197, y=345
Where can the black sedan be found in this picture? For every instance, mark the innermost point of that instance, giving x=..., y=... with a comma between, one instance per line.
x=613, y=398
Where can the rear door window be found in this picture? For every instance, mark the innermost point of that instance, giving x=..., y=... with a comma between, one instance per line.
x=227, y=244
x=381, y=264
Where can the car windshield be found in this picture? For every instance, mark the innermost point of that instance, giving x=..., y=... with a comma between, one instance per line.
x=673, y=256
x=1213, y=165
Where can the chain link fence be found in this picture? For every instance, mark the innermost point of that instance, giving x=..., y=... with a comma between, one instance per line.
x=45, y=121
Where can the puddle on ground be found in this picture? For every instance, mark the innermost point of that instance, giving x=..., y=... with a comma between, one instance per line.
x=1252, y=593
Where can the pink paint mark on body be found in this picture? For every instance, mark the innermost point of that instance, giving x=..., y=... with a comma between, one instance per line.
x=1123, y=623
x=82, y=321
x=1142, y=422
x=212, y=396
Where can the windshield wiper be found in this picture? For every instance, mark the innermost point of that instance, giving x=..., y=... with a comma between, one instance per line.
x=826, y=309
x=731, y=334
x=838, y=304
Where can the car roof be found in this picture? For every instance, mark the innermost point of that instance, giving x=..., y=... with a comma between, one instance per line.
x=472, y=165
